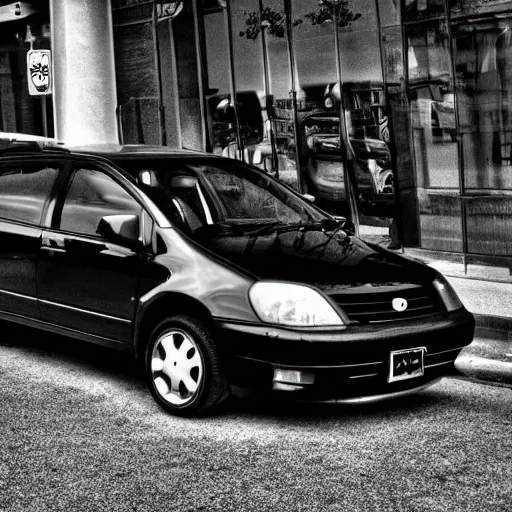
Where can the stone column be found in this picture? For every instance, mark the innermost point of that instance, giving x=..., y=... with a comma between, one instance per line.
x=189, y=79
x=84, y=95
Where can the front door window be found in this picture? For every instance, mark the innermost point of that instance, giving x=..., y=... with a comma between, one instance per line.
x=93, y=195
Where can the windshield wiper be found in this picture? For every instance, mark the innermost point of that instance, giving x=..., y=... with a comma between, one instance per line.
x=274, y=226
x=279, y=227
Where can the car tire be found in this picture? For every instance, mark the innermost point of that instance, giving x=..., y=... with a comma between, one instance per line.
x=182, y=367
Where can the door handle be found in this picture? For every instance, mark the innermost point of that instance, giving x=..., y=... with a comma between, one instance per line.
x=52, y=250
x=53, y=246
x=83, y=247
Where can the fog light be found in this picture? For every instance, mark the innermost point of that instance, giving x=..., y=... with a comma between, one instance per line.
x=293, y=377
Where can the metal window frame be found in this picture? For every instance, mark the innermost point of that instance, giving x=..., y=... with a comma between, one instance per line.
x=460, y=164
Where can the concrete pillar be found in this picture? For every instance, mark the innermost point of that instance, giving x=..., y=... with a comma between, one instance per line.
x=84, y=95
x=190, y=88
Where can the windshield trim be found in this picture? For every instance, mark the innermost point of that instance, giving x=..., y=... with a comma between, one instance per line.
x=204, y=204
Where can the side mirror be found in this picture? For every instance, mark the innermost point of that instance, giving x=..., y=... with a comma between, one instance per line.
x=147, y=177
x=123, y=230
x=340, y=220
x=309, y=197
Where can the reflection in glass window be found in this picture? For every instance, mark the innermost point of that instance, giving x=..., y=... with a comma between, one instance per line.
x=416, y=10
x=24, y=190
x=434, y=135
x=483, y=64
x=475, y=7
x=393, y=54
x=220, y=117
x=249, y=73
x=432, y=106
x=91, y=196
x=484, y=78
x=389, y=12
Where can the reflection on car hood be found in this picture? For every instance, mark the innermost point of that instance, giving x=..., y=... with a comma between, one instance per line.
x=314, y=257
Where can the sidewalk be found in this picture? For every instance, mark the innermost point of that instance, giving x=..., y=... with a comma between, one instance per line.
x=487, y=293
x=489, y=357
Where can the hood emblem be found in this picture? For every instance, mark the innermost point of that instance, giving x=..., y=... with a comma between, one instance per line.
x=399, y=304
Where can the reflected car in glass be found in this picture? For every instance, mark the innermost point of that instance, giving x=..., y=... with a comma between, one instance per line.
x=324, y=170
x=217, y=277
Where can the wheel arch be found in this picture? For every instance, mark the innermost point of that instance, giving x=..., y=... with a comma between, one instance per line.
x=162, y=306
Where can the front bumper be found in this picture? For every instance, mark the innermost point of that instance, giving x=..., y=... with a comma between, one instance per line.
x=349, y=365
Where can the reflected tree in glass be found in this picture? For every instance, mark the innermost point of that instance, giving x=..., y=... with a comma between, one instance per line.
x=271, y=21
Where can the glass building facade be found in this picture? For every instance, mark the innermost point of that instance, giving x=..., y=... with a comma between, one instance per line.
x=426, y=87
x=287, y=61
x=458, y=81
x=401, y=108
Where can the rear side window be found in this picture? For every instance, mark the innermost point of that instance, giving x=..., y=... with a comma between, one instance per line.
x=24, y=189
x=93, y=195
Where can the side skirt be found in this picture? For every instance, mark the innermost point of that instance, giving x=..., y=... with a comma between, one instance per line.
x=65, y=331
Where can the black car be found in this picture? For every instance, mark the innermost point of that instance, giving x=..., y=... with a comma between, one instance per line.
x=216, y=276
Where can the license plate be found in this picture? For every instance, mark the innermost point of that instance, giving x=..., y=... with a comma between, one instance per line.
x=406, y=364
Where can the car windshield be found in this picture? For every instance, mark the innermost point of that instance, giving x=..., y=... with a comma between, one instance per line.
x=228, y=192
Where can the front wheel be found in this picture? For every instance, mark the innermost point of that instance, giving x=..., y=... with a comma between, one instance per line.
x=182, y=367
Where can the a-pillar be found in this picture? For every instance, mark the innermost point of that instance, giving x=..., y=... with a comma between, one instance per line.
x=84, y=95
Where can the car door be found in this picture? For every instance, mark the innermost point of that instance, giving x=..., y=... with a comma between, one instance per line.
x=25, y=190
x=86, y=283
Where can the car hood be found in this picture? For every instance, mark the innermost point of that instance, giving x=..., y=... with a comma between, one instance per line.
x=315, y=257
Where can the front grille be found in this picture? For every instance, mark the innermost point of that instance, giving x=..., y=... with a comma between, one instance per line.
x=369, y=304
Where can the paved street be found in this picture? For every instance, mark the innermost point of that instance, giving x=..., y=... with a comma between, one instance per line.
x=79, y=431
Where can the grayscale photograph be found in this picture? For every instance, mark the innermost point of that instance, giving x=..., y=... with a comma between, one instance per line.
x=256, y=255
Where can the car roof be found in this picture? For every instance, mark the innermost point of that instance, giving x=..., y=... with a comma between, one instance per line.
x=121, y=150
x=24, y=146
x=26, y=137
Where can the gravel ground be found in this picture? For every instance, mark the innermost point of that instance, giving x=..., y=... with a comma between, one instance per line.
x=79, y=431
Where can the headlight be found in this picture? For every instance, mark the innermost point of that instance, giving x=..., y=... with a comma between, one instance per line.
x=292, y=305
x=447, y=293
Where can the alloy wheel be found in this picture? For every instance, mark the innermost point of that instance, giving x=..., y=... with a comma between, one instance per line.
x=177, y=367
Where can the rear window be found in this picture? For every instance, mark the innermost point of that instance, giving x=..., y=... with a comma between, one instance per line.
x=24, y=189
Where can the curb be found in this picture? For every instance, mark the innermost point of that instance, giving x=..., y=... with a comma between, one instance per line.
x=488, y=358
x=482, y=369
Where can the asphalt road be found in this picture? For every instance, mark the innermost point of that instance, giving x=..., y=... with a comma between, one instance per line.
x=79, y=432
